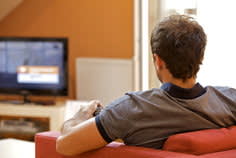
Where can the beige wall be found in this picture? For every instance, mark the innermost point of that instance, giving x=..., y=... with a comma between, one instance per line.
x=95, y=28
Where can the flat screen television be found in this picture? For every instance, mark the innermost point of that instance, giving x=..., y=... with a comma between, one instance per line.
x=32, y=65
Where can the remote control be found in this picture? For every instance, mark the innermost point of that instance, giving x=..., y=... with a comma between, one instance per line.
x=98, y=110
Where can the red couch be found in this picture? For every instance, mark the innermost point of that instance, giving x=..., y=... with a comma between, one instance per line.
x=211, y=143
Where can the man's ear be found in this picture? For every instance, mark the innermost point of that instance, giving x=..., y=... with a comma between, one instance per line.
x=159, y=63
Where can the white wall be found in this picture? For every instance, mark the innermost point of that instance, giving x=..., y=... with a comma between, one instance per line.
x=218, y=20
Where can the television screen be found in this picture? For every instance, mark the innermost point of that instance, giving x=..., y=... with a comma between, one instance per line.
x=35, y=65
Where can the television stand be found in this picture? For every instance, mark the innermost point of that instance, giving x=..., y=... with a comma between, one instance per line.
x=26, y=100
x=25, y=95
x=29, y=102
x=20, y=102
x=43, y=102
x=55, y=113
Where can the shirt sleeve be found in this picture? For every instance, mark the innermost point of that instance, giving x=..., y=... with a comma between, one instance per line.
x=113, y=122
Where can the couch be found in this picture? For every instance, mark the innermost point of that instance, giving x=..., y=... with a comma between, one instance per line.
x=208, y=143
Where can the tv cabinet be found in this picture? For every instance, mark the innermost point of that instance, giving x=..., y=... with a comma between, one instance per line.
x=55, y=113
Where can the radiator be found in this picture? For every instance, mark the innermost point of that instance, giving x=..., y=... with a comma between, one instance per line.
x=104, y=79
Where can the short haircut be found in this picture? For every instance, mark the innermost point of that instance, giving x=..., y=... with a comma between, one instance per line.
x=180, y=42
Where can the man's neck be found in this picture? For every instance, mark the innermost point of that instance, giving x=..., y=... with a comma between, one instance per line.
x=189, y=83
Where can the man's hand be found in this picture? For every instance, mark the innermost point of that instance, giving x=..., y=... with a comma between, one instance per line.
x=85, y=112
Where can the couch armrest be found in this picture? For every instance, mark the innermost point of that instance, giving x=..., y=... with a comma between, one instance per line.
x=45, y=144
x=202, y=141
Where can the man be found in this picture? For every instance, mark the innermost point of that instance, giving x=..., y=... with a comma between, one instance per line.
x=148, y=118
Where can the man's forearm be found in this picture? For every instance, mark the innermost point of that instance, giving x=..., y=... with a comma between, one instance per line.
x=69, y=124
x=82, y=138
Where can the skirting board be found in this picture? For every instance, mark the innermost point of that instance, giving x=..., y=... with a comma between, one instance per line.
x=104, y=79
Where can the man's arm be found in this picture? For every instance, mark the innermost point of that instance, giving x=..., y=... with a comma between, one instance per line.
x=82, y=137
x=80, y=133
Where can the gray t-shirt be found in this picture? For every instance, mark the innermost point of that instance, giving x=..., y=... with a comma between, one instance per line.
x=148, y=118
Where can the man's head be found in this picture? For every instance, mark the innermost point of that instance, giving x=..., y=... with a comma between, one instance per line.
x=179, y=42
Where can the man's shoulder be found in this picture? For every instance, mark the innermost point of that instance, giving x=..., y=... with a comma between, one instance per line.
x=146, y=93
x=134, y=96
x=225, y=91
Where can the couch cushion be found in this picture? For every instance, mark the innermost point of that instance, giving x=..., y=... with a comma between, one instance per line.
x=202, y=142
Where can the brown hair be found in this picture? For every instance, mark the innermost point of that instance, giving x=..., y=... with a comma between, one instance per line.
x=180, y=42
